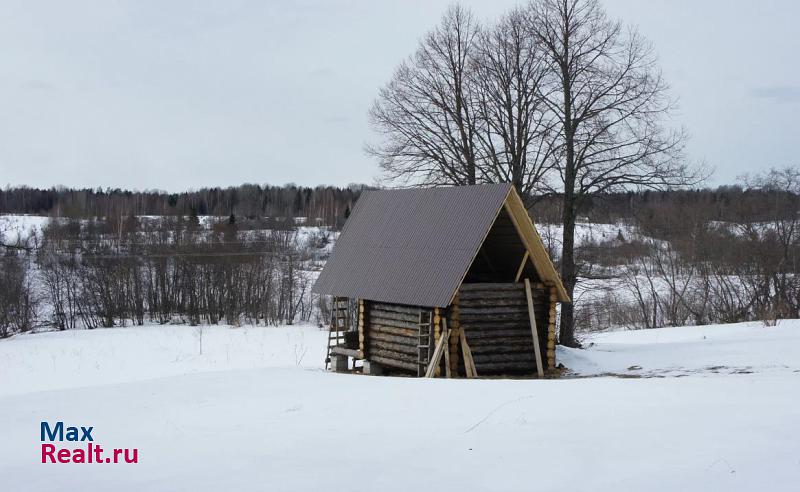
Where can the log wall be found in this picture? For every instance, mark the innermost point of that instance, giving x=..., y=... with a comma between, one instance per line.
x=494, y=318
x=391, y=336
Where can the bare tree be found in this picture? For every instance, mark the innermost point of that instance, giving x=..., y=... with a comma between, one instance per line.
x=467, y=108
x=426, y=112
x=607, y=92
x=516, y=128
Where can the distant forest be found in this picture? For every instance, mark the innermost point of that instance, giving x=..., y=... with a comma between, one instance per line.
x=330, y=205
x=322, y=205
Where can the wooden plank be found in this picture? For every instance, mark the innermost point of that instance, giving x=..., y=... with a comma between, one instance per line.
x=446, y=342
x=341, y=350
x=521, y=266
x=437, y=355
x=534, y=331
x=469, y=363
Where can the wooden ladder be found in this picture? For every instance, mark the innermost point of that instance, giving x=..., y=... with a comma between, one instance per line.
x=425, y=341
x=339, y=325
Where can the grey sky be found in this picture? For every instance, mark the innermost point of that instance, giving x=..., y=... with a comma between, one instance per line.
x=175, y=95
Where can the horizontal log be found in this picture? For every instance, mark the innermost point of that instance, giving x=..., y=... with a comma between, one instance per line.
x=342, y=350
x=375, y=345
x=397, y=364
x=386, y=337
x=390, y=354
x=493, y=343
x=507, y=368
x=485, y=318
x=493, y=310
x=407, y=318
x=522, y=340
x=478, y=336
x=478, y=348
x=494, y=302
x=396, y=308
x=392, y=330
x=490, y=286
x=494, y=325
x=381, y=319
x=471, y=296
x=509, y=357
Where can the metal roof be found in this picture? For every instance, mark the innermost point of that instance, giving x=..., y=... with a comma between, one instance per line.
x=412, y=246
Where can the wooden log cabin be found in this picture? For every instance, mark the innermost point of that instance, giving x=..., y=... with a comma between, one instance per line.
x=442, y=282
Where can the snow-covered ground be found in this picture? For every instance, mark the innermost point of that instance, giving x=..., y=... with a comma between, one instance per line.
x=77, y=358
x=245, y=415
x=19, y=227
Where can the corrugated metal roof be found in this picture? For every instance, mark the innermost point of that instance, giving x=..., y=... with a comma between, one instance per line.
x=411, y=246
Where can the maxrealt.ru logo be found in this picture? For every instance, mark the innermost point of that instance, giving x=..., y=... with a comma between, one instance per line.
x=90, y=453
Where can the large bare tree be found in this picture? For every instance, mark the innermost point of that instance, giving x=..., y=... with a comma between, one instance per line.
x=608, y=94
x=516, y=130
x=555, y=97
x=426, y=112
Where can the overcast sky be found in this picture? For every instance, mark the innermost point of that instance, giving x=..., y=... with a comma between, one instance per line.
x=182, y=94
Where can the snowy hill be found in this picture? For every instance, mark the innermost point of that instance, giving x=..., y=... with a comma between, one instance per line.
x=254, y=411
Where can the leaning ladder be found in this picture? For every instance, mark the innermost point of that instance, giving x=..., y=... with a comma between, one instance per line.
x=339, y=325
x=425, y=343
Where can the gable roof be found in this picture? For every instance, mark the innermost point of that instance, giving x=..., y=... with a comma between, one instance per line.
x=414, y=246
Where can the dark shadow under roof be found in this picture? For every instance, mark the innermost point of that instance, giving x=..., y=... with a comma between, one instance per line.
x=411, y=246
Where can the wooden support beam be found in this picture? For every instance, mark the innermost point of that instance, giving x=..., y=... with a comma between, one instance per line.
x=469, y=363
x=534, y=331
x=446, y=343
x=521, y=266
x=433, y=365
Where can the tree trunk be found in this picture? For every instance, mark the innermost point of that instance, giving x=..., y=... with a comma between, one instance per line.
x=568, y=275
x=568, y=271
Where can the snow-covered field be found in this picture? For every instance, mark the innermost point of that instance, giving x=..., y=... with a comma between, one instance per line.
x=251, y=412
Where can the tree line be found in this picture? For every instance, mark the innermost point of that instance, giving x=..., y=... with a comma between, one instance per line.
x=321, y=205
x=87, y=273
x=686, y=266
